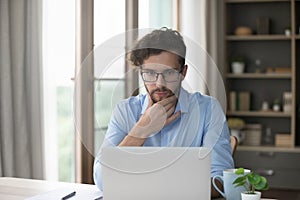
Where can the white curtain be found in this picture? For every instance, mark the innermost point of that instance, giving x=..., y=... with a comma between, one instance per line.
x=199, y=21
x=21, y=125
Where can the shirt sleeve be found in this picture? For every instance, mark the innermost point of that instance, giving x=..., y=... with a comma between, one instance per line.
x=117, y=130
x=217, y=137
x=97, y=175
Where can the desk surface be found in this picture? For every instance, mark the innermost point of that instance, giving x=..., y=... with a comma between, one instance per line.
x=19, y=189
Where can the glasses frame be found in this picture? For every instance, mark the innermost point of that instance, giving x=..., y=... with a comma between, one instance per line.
x=162, y=74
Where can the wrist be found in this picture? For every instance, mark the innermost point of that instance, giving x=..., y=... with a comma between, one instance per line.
x=139, y=131
x=130, y=140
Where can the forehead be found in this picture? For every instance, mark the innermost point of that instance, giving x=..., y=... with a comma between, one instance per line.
x=164, y=60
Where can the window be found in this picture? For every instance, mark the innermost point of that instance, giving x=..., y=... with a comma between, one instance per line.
x=157, y=13
x=109, y=83
x=58, y=63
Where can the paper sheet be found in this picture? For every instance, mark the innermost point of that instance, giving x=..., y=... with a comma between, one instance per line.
x=85, y=194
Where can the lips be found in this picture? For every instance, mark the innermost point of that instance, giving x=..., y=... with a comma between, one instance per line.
x=162, y=93
x=165, y=93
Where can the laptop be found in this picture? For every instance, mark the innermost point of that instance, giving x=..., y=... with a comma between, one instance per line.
x=156, y=173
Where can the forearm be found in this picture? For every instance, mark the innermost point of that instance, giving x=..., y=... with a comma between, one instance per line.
x=132, y=141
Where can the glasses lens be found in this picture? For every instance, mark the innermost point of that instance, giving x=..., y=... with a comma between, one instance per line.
x=149, y=76
x=171, y=75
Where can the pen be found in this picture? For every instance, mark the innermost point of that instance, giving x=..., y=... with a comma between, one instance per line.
x=98, y=198
x=69, y=196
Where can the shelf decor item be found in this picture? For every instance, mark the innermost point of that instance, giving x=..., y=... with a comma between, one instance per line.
x=283, y=140
x=236, y=125
x=268, y=138
x=287, y=102
x=255, y=181
x=238, y=65
x=253, y=135
x=287, y=31
x=276, y=105
x=263, y=26
x=265, y=106
x=243, y=30
x=239, y=101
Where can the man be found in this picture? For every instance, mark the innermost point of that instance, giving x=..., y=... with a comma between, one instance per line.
x=167, y=115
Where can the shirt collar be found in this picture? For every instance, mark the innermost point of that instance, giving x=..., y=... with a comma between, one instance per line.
x=182, y=103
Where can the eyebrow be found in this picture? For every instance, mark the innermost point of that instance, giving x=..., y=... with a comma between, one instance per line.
x=161, y=71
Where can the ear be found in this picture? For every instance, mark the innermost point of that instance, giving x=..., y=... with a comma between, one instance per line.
x=184, y=72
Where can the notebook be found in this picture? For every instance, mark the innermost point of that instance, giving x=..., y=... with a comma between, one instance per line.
x=156, y=173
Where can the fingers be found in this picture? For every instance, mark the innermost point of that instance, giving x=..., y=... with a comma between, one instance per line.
x=172, y=118
x=170, y=110
x=170, y=100
x=168, y=105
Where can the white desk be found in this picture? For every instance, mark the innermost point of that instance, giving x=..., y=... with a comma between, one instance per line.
x=19, y=189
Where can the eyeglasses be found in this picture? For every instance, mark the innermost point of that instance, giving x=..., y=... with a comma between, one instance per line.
x=169, y=75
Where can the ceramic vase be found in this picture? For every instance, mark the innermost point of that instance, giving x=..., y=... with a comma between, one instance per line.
x=237, y=67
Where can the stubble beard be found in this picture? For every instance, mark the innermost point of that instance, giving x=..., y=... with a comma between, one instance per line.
x=163, y=89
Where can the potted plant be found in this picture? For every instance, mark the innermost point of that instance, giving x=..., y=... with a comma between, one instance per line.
x=237, y=64
x=252, y=182
x=287, y=31
x=236, y=125
x=276, y=105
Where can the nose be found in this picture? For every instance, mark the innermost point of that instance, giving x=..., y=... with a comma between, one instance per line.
x=160, y=81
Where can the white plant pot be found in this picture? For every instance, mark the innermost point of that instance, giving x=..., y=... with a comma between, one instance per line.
x=256, y=196
x=238, y=67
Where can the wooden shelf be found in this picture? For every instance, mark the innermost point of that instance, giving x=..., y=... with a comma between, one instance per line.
x=259, y=76
x=258, y=114
x=268, y=148
x=257, y=37
x=273, y=50
x=275, y=54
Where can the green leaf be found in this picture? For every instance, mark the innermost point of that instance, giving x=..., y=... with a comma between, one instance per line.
x=240, y=171
x=254, y=179
x=240, y=184
x=262, y=185
x=239, y=179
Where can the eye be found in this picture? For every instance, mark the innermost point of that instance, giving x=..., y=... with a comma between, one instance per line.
x=170, y=72
x=151, y=72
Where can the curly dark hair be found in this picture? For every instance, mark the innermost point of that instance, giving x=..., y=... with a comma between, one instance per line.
x=157, y=41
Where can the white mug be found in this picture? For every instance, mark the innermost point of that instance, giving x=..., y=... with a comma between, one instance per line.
x=231, y=192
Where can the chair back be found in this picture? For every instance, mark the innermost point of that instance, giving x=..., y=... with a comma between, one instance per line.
x=234, y=143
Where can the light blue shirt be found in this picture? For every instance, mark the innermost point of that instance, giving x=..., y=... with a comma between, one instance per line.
x=201, y=123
